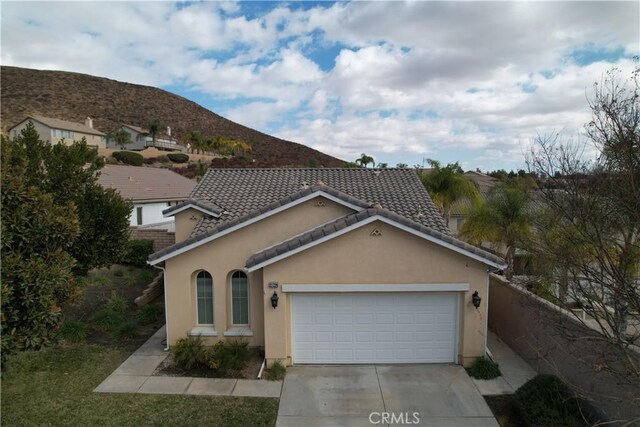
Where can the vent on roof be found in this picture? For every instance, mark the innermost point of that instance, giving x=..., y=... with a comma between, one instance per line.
x=376, y=172
x=320, y=204
x=419, y=214
x=304, y=185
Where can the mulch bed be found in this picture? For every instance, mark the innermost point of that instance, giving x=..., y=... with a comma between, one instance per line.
x=168, y=368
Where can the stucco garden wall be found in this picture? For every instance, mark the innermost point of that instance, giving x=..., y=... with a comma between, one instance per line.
x=554, y=343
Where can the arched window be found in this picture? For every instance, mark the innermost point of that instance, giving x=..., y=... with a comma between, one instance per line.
x=239, y=298
x=204, y=298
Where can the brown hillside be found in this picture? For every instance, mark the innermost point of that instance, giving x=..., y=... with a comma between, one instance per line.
x=73, y=97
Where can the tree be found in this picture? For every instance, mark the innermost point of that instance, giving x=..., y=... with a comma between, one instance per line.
x=505, y=218
x=154, y=127
x=447, y=185
x=120, y=137
x=364, y=160
x=195, y=140
x=589, y=238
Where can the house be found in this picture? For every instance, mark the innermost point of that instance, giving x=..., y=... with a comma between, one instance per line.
x=151, y=190
x=141, y=139
x=54, y=131
x=324, y=266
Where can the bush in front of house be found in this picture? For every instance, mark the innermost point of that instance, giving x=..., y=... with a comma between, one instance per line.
x=178, y=157
x=137, y=252
x=229, y=356
x=484, y=369
x=129, y=157
x=545, y=401
x=190, y=352
x=74, y=331
x=277, y=371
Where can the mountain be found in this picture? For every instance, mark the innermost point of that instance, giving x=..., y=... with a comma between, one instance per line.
x=74, y=96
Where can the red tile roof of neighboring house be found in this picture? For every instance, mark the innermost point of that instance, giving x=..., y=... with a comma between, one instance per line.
x=145, y=183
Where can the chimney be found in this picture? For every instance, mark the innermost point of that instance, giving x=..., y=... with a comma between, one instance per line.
x=168, y=131
x=88, y=122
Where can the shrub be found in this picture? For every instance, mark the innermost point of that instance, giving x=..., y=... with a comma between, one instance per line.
x=129, y=157
x=125, y=331
x=178, y=157
x=484, y=369
x=106, y=320
x=101, y=281
x=145, y=276
x=118, y=273
x=229, y=355
x=74, y=331
x=150, y=160
x=276, y=371
x=116, y=303
x=163, y=159
x=190, y=352
x=149, y=314
x=137, y=252
x=545, y=401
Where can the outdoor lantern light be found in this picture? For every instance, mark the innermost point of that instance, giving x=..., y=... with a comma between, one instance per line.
x=475, y=299
x=275, y=298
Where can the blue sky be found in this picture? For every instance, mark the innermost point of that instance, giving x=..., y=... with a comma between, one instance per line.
x=474, y=82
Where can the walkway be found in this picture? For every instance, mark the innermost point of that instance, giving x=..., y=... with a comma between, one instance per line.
x=515, y=371
x=135, y=375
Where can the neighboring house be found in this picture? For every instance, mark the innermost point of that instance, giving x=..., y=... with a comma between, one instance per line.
x=324, y=266
x=56, y=130
x=460, y=209
x=140, y=139
x=151, y=190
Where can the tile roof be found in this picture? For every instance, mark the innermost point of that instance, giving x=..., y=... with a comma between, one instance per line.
x=203, y=204
x=224, y=225
x=241, y=191
x=351, y=219
x=145, y=183
x=65, y=125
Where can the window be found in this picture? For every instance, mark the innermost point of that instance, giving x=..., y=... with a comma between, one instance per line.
x=139, y=215
x=239, y=298
x=59, y=133
x=204, y=298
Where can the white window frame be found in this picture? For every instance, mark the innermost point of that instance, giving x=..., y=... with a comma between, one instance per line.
x=248, y=298
x=213, y=312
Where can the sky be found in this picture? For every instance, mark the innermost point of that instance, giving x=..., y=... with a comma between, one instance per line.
x=474, y=82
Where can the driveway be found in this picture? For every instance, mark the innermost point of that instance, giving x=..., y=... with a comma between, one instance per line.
x=440, y=395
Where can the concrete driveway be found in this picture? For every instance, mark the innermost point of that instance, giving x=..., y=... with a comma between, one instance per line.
x=440, y=395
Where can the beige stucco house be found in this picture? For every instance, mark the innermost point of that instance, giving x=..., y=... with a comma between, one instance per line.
x=324, y=266
x=54, y=131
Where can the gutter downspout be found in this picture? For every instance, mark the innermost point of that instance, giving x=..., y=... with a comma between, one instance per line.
x=166, y=312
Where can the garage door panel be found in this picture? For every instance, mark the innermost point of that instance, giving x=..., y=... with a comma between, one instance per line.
x=374, y=328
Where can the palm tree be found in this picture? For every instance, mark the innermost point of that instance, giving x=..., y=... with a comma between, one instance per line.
x=504, y=219
x=195, y=140
x=120, y=137
x=154, y=128
x=447, y=185
x=364, y=160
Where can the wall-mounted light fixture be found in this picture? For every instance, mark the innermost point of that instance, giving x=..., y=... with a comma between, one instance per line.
x=475, y=299
x=274, y=299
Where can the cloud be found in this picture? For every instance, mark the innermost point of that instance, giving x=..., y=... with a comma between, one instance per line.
x=397, y=79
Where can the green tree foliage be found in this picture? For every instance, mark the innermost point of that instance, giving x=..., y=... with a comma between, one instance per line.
x=129, y=157
x=447, y=185
x=504, y=219
x=154, y=128
x=120, y=137
x=364, y=160
x=57, y=222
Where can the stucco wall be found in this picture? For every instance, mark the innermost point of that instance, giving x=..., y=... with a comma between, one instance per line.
x=394, y=257
x=185, y=223
x=43, y=131
x=151, y=213
x=554, y=343
x=229, y=253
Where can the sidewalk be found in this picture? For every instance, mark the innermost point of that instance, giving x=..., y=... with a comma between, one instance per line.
x=135, y=375
x=515, y=371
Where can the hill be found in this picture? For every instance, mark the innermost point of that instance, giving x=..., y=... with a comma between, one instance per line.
x=74, y=96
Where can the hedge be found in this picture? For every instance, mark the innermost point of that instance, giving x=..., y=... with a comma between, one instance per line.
x=137, y=252
x=545, y=401
x=178, y=157
x=129, y=157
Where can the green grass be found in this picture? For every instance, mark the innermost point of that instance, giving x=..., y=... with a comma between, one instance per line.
x=277, y=371
x=54, y=387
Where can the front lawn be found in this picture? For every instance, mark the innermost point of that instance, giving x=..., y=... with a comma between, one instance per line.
x=54, y=387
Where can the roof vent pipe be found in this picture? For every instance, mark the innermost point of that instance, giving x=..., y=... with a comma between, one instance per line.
x=88, y=122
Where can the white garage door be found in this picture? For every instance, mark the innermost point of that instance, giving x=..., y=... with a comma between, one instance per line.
x=374, y=328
